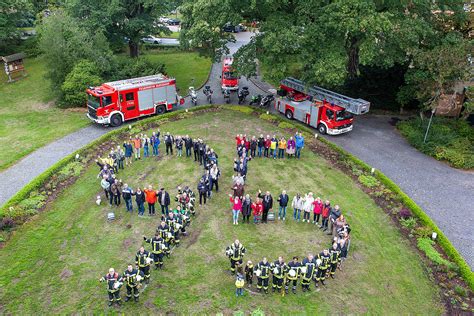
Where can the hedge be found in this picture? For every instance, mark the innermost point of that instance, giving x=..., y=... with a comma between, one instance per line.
x=451, y=252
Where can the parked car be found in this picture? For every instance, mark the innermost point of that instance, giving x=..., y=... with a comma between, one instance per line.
x=164, y=19
x=173, y=22
x=150, y=39
x=228, y=27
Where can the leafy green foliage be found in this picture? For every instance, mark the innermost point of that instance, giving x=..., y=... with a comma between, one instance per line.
x=267, y=117
x=285, y=125
x=368, y=181
x=136, y=67
x=408, y=222
x=64, y=43
x=12, y=13
x=422, y=232
x=451, y=140
x=243, y=109
x=461, y=291
x=427, y=246
x=83, y=75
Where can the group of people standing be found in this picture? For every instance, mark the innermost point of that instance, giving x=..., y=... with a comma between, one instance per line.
x=173, y=223
x=270, y=147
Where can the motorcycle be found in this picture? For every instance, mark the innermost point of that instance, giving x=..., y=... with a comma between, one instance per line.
x=208, y=93
x=255, y=100
x=226, y=96
x=193, y=95
x=267, y=100
x=243, y=93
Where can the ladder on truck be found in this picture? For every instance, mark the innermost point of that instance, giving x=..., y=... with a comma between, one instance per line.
x=354, y=106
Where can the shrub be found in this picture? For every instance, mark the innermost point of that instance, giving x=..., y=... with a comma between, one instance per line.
x=427, y=246
x=408, y=222
x=459, y=290
x=368, y=181
x=83, y=75
x=451, y=140
x=6, y=223
x=134, y=67
x=422, y=232
x=286, y=125
x=268, y=117
x=405, y=213
x=243, y=109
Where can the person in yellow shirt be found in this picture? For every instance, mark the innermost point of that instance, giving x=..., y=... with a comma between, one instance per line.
x=281, y=148
x=273, y=147
x=239, y=285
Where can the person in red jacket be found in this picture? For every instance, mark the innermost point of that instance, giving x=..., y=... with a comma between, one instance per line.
x=236, y=208
x=317, y=210
x=238, y=139
x=325, y=213
x=266, y=145
x=150, y=196
x=247, y=143
x=257, y=208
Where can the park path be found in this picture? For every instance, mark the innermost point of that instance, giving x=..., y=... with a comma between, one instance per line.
x=446, y=194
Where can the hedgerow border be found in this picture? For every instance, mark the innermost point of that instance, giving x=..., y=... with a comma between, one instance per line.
x=451, y=252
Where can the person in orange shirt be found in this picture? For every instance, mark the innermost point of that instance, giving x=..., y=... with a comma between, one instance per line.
x=137, y=144
x=281, y=148
x=150, y=196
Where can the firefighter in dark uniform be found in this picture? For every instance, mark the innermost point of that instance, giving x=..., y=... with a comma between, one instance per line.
x=143, y=261
x=263, y=274
x=114, y=283
x=334, y=254
x=279, y=268
x=132, y=278
x=174, y=228
x=323, y=266
x=163, y=229
x=235, y=252
x=292, y=277
x=307, y=272
x=157, y=246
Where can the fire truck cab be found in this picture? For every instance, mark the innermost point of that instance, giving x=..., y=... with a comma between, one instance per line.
x=331, y=113
x=112, y=103
x=229, y=81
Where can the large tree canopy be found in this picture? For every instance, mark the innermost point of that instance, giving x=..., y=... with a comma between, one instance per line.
x=12, y=13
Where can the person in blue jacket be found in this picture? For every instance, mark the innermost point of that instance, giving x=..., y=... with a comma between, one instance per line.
x=128, y=152
x=299, y=139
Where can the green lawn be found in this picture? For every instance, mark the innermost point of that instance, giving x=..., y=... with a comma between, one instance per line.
x=188, y=68
x=53, y=262
x=28, y=117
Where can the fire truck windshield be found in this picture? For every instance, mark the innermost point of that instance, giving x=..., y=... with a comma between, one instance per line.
x=343, y=115
x=92, y=101
x=229, y=75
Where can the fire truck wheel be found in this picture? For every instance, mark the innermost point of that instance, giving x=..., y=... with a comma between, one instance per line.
x=160, y=109
x=116, y=120
x=322, y=129
x=289, y=114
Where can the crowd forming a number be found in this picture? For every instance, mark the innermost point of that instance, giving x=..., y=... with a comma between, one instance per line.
x=312, y=267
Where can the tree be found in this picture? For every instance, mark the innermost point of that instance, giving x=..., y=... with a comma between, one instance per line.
x=12, y=13
x=84, y=74
x=64, y=43
x=203, y=20
x=121, y=20
x=434, y=72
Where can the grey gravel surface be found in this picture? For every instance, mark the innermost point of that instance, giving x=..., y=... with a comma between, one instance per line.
x=445, y=193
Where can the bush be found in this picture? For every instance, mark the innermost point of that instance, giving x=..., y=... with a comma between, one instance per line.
x=243, y=109
x=6, y=223
x=268, y=117
x=125, y=68
x=405, y=213
x=368, y=181
x=286, y=125
x=459, y=290
x=427, y=246
x=408, y=222
x=450, y=140
x=422, y=232
x=83, y=75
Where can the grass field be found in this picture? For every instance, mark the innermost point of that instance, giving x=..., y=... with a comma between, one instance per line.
x=29, y=118
x=54, y=261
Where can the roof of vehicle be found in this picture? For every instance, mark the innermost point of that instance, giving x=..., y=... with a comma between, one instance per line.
x=131, y=83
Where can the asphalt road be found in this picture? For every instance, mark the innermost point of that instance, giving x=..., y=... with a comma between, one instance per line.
x=445, y=193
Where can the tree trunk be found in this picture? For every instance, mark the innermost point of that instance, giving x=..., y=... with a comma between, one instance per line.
x=352, y=48
x=133, y=47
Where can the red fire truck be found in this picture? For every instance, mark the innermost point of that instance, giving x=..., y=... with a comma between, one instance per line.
x=329, y=112
x=229, y=81
x=115, y=102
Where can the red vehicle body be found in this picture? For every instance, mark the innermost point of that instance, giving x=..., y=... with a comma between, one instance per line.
x=115, y=102
x=329, y=112
x=229, y=81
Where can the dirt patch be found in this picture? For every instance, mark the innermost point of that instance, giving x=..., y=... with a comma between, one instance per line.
x=127, y=243
x=66, y=273
x=193, y=237
x=41, y=106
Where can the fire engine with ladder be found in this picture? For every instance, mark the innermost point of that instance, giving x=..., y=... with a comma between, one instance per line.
x=330, y=112
x=229, y=81
x=112, y=103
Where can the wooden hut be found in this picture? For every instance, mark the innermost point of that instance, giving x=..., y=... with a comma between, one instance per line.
x=14, y=67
